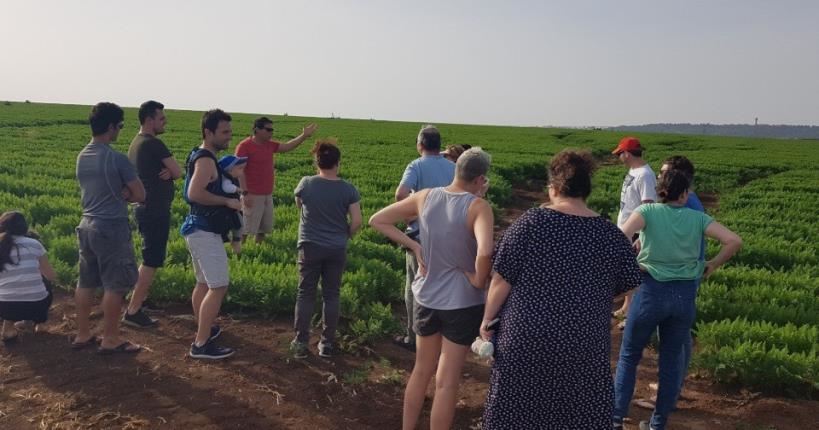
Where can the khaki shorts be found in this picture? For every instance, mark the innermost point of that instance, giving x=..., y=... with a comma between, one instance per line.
x=258, y=219
x=210, y=262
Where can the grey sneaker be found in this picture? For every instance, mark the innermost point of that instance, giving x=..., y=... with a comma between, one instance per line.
x=299, y=349
x=139, y=319
x=327, y=350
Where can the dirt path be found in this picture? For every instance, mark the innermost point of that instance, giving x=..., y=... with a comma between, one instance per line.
x=46, y=385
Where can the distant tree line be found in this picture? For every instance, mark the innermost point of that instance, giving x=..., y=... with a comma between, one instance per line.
x=739, y=130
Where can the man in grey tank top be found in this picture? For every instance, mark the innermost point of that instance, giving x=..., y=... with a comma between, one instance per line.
x=429, y=171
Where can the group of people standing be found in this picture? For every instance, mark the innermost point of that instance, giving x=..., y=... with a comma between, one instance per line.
x=554, y=275
x=542, y=294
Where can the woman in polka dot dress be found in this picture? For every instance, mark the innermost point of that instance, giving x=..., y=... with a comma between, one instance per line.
x=557, y=270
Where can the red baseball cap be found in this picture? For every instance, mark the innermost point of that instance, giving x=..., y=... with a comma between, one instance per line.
x=627, y=143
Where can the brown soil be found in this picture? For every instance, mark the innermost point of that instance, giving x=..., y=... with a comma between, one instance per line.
x=709, y=200
x=46, y=385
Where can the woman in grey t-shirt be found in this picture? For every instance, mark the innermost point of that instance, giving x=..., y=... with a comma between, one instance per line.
x=325, y=202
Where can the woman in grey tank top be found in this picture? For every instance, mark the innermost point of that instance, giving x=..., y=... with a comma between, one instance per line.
x=454, y=259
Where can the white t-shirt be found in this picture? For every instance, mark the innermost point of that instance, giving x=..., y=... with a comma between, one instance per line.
x=22, y=282
x=639, y=185
x=228, y=186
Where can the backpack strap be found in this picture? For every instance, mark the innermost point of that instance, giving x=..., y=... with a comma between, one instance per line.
x=190, y=166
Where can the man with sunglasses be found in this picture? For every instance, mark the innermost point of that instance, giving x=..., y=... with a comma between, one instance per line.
x=108, y=182
x=259, y=180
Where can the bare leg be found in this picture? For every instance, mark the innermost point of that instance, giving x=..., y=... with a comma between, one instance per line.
x=146, y=278
x=428, y=349
x=198, y=295
x=83, y=300
x=8, y=330
x=208, y=311
x=111, y=308
x=623, y=311
x=447, y=381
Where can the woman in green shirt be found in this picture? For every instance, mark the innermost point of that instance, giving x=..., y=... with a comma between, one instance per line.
x=670, y=241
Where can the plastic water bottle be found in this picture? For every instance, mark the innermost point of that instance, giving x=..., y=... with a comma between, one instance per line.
x=483, y=348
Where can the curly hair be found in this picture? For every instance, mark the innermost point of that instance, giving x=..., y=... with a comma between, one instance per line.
x=570, y=173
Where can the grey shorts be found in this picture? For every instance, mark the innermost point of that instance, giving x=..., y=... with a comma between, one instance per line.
x=210, y=262
x=106, y=255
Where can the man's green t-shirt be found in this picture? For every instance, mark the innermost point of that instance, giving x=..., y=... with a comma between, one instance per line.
x=671, y=240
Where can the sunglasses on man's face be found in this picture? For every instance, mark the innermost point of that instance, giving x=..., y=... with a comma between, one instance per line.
x=269, y=129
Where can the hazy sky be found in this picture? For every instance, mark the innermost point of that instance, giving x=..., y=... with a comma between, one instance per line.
x=567, y=63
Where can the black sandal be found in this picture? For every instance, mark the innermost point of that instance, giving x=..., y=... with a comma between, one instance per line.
x=80, y=345
x=123, y=348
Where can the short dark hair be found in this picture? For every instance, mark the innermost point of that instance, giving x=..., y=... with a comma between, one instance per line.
x=260, y=122
x=671, y=185
x=635, y=152
x=681, y=163
x=430, y=138
x=148, y=110
x=212, y=118
x=326, y=153
x=570, y=173
x=102, y=115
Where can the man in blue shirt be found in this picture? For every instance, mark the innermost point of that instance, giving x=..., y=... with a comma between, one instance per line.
x=431, y=170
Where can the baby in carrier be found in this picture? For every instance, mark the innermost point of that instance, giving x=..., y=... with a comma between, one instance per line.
x=234, y=168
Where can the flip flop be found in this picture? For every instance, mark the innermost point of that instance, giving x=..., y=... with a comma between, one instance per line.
x=123, y=348
x=80, y=345
x=10, y=339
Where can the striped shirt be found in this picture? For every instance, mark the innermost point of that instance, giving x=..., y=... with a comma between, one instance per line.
x=22, y=281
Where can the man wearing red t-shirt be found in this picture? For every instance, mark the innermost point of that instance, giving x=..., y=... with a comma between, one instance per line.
x=259, y=179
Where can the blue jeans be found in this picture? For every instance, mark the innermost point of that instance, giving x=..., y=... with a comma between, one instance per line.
x=670, y=307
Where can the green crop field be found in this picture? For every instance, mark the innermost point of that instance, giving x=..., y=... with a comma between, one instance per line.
x=758, y=317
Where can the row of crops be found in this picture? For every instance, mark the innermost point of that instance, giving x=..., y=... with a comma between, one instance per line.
x=758, y=321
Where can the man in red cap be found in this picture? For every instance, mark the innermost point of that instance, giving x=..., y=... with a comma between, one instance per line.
x=639, y=186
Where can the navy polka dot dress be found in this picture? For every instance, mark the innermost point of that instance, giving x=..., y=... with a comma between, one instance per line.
x=551, y=368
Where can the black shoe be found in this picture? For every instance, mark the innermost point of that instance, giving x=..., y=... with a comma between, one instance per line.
x=215, y=331
x=210, y=351
x=327, y=350
x=139, y=319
